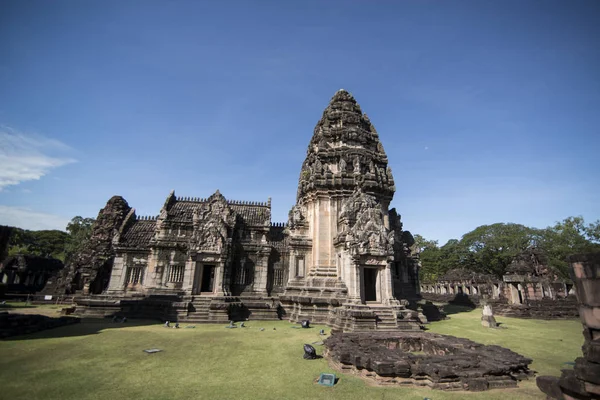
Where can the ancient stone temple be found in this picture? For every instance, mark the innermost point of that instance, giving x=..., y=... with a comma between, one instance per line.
x=342, y=258
x=345, y=246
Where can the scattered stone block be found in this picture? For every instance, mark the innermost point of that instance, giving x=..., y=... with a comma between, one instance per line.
x=487, y=319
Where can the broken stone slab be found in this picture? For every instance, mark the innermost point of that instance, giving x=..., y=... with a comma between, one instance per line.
x=487, y=319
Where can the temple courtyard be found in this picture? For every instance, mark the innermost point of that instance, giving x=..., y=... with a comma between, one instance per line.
x=100, y=359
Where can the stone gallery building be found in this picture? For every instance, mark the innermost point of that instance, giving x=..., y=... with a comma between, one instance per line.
x=529, y=288
x=342, y=258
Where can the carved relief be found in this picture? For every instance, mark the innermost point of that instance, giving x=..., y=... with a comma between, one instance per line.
x=361, y=220
x=212, y=222
x=296, y=217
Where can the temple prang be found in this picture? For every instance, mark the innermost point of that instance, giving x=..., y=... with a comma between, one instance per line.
x=342, y=258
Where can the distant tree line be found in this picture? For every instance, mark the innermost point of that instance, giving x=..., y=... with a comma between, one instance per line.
x=491, y=248
x=51, y=243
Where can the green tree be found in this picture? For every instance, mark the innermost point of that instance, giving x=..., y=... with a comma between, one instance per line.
x=570, y=236
x=429, y=254
x=491, y=248
x=80, y=230
x=46, y=243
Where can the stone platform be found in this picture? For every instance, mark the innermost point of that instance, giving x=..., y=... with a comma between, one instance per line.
x=426, y=359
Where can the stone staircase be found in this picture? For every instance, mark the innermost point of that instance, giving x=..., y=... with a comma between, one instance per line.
x=386, y=319
x=360, y=317
x=198, y=311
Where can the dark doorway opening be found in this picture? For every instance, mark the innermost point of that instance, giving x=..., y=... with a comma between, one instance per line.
x=208, y=278
x=370, y=284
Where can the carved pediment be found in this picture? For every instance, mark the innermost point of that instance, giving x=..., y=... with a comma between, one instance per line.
x=361, y=221
x=213, y=224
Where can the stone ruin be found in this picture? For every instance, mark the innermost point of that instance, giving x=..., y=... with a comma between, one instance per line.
x=89, y=270
x=583, y=381
x=529, y=289
x=487, y=317
x=426, y=359
x=28, y=274
x=342, y=259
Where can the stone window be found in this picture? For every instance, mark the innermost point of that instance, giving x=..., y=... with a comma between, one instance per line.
x=278, y=277
x=176, y=273
x=134, y=275
x=245, y=274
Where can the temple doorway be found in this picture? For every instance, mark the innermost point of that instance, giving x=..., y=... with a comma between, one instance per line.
x=370, y=284
x=208, y=278
x=204, y=279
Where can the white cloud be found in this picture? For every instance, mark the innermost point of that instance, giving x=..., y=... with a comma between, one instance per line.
x=23, y=217
x=28, y=157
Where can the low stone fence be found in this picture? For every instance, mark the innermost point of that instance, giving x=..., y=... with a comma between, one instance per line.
x=559, y=308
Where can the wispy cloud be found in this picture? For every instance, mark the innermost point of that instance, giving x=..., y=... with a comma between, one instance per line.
x=23, y=217
x=26, y=157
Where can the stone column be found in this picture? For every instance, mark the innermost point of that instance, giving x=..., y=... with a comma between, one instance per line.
x=218, y=283
x=386, y=284
x=188, y=276
x=261, y=272
x=583, y=381
x=117, y=275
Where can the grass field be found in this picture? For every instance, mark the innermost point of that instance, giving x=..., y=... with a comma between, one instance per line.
x=104, y=360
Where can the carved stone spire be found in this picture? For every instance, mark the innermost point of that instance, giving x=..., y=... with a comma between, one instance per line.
x=344, y=151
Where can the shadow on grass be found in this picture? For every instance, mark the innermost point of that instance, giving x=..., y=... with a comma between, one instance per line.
x=456, y=308
x=12, y=306
x=87, y=326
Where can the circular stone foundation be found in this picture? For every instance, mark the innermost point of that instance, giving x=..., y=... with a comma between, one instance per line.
x=426, y=359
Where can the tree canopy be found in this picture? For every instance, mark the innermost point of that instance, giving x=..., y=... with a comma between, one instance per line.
x=491, y=248
x=51, y=243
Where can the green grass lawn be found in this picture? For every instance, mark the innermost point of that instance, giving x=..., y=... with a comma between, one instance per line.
x=103, y=360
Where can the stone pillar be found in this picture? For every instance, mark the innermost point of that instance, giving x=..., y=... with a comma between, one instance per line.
x=261, y=272
x=188, y=276
x=218, y=282
x=583, y=382
x=117, y=275
x=386, y=284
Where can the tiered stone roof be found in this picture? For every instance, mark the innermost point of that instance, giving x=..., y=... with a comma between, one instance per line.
x=345, y=152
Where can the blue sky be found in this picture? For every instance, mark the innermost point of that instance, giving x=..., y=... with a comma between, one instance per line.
x=489, y=111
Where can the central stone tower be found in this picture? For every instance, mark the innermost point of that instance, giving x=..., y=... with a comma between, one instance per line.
x=346, y=247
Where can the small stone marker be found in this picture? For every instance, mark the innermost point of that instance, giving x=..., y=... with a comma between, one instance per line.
x=487, y=318
x=306, y=323
x=176, y=325
x=322, y=332
x=152, y=351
